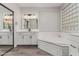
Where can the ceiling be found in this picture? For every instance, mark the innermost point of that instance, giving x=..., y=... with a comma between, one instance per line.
x=39, y=4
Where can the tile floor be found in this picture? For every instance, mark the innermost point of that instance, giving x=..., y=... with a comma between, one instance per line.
x=4, y=49
x=27, y=51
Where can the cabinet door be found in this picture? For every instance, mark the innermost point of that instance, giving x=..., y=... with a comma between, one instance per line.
x=27, y=40
x=34, y=38
x=1, y=38
x=10, y=39
x=20, y=38
x=4, y=38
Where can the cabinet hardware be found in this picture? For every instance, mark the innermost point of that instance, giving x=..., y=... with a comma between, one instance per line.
x=31, y=37
x=23, y=36
x=0, y=37
x=8, y=37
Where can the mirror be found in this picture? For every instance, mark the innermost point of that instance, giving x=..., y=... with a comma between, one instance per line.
x=30, y=21
x=6, y=29
x=7, y=22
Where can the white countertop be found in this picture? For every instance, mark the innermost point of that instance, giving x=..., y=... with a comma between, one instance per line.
x=4, y=31
x=23, y=30
x=34, y=30
x=27, y=30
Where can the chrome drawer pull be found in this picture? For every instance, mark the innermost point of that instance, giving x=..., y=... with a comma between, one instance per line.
x=23, y=36
x=0, y=37
x=8, y=37
x=30, y=37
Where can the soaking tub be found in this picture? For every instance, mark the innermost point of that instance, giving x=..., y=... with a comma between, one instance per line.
x=54, y=43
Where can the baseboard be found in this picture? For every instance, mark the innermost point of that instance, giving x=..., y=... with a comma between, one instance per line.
x=29, y=45
x=6, y=45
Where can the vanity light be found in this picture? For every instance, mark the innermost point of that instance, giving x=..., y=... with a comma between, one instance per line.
x=28, y=16
x=35, y=17
x=8, y=19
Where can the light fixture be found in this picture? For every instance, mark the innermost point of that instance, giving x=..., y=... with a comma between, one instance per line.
x=8, y=19
x=30, y=16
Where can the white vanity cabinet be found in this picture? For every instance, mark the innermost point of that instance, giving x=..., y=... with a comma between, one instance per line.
x=5, y=38
x=23, y=38
x=26, y=38
x=10, y=38
x=19, y=38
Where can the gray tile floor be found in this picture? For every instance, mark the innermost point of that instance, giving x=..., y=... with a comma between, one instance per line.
x=27, y=51
x=4, y=49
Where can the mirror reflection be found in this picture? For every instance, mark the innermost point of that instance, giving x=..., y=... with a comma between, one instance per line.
x=6, y=29
x=7, y=22
x=30, y=21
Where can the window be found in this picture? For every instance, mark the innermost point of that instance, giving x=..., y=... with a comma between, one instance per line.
x=70, y=17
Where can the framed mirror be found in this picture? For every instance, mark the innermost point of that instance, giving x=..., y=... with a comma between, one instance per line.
x=6, y=29
x=30, y=21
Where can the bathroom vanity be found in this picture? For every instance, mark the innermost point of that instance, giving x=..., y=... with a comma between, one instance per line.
x=24, y=37
x=28, y=34
x=5, y=37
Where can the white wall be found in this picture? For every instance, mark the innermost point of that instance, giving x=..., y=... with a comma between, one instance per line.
x=49, y=19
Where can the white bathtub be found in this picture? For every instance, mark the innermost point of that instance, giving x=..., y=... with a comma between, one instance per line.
x=57, y=43
x=54, y=37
